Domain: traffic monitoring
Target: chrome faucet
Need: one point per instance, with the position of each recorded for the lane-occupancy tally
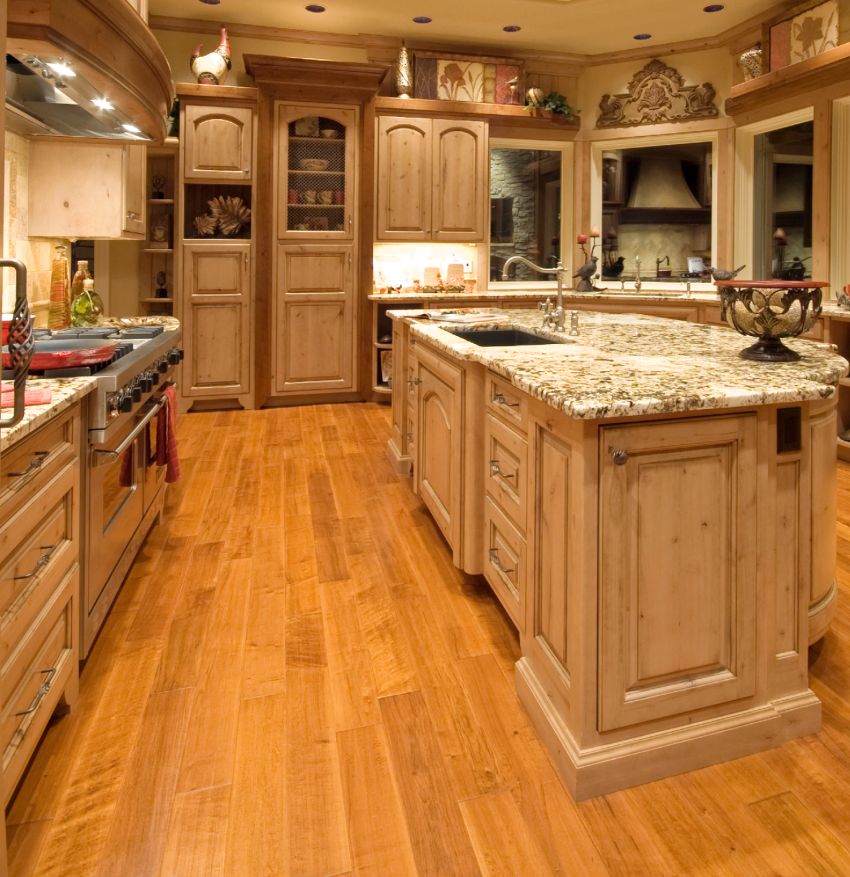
(552, 317)
(638, 281)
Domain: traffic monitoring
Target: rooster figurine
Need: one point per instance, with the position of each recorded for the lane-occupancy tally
(212, 68)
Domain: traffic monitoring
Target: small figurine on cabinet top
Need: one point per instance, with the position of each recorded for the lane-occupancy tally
(158, 183)
(161, 291)
(212, 68)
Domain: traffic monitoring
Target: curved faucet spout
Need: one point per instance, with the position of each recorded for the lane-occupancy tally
(557, 317)
(514, 259)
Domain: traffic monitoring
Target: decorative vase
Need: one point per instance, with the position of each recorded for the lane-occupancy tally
(403, 74)
(534, 97)
(752, 62)
(212, 68)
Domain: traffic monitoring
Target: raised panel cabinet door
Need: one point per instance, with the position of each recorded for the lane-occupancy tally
(459, 179)
(219, 143)
(316, 173)
(134, 173)
(217, 324)
(313, 337)
(403, 180)
(677, 613)
(438, 445)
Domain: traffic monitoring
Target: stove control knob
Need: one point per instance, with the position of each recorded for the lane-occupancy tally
(126, 403)
(137, 392)
(174, 356)
(147, 382)
(112, 404)
(162, 365)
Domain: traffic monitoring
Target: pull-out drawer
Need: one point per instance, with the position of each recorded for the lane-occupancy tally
(506, 461)
(505, 562)
(33, 678)
(37, 547)
(28, 465)
(504, 400)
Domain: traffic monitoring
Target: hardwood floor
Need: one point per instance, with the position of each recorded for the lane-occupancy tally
(296, 681)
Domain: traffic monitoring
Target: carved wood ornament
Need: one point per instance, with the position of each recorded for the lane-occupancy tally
(657, 93)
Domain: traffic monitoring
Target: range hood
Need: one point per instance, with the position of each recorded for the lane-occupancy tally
(86, 69)
(660, 194)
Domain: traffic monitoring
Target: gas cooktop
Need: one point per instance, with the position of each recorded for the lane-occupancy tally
(100, 332)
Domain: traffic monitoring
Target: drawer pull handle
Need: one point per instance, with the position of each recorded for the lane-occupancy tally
(409, 436)
(414, 382)
(495, 560)
(37, 462)
(39, 564)
(496, 469)
(619, 456)
(500, 399)
(41, 693)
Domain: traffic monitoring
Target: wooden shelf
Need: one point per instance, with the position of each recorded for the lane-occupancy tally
(165, 202)
(382, 389)
(317, 173)
(157, 301)
(318, 206)
(844, 382)
(380, 346)
(297, 139)
(159, 251)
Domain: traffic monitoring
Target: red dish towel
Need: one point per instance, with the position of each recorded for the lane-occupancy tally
(31, 397)
(166, 437)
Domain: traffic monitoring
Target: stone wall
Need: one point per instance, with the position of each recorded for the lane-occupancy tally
(512, 176)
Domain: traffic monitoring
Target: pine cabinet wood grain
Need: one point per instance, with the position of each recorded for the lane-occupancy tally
(219, 143)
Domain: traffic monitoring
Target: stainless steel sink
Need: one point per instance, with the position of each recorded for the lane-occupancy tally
(501, 337)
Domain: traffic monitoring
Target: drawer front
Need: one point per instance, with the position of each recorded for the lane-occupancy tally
(34, 677)
(506, 461)
(32, 462)
(37, 547)
(507, 402)
(505, 561)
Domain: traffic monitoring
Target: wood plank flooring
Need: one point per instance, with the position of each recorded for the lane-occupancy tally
(295, 682)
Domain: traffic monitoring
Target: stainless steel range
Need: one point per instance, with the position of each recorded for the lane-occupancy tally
(123, 487)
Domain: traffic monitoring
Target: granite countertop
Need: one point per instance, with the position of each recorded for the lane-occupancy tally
(624, 365)
(66, 391)
(702, 296)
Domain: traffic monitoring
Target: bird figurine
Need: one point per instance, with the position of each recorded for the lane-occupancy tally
(586, 273)
(720, 274)
(212, 68)
(615, 269)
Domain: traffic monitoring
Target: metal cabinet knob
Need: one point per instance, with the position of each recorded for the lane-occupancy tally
(619, 456)
(496, 469)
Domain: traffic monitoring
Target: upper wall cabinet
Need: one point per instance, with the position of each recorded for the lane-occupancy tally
(431, 180)
(219, 142)
(67, 180)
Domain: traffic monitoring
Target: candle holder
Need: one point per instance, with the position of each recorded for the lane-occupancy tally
(770, 310)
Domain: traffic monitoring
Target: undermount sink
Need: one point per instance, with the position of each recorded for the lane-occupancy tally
(502, 337)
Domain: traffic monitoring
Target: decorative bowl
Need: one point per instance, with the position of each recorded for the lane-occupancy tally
(313, 164)
(770, 310)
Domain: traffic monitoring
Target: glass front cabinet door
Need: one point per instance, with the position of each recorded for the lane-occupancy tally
(316, 172)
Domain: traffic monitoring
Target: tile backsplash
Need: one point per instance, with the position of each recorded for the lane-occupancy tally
(36, 253)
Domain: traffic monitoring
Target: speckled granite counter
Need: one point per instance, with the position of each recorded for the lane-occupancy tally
(539, 294)
(66, 391)
(627, 365)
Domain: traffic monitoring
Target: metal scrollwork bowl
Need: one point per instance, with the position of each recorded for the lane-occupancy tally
(770, 310)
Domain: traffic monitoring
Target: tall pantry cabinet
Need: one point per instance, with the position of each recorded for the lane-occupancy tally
(218, 160)
(313, 301)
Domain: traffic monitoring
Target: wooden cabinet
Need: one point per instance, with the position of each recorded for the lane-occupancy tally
(39, 586)
(87, 190)
(432, 180)
(677, 621)
(218, 143)
(141, 6)
(313, 349)
(316, 159)
(217, 292)
(439, 420)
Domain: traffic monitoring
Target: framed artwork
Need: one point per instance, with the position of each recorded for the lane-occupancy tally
(471, 78)
(803, 35)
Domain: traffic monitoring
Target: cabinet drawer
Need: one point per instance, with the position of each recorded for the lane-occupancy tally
(33, 461)
(506, 461)
(504, 561)
(34, 677)
(507, 402)
(37, 547)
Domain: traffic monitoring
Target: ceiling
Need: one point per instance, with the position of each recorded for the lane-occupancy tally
(562, 26)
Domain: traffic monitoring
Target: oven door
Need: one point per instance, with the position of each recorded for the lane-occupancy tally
(117, 471)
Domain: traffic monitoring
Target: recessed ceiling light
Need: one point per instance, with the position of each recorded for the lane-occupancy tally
(643, 36)
(102, 103)
(314, 7)
(511, 28)
(211, 2)
(61, 68)
(422, 19)
(131, 129)
(713, 7)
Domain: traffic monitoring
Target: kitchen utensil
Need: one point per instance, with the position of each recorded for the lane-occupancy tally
(770, 310)
(313, 164)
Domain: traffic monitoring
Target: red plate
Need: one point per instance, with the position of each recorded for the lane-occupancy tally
(44, 357)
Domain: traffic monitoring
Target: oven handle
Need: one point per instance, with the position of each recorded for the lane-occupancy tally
(108, 456)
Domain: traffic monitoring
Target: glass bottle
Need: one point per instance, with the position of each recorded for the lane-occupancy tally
(87, 307)
(81, 274)
(59, 308)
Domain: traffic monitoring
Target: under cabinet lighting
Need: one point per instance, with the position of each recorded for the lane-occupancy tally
(713, 7)
(61, 68)
(102, 103)
(422, 19)
(642, 36)
(131, 129)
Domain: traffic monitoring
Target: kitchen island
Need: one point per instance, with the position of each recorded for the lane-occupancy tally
(656, 515)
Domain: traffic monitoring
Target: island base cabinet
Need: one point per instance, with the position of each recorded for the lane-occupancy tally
(217, 321)
(668, 584)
